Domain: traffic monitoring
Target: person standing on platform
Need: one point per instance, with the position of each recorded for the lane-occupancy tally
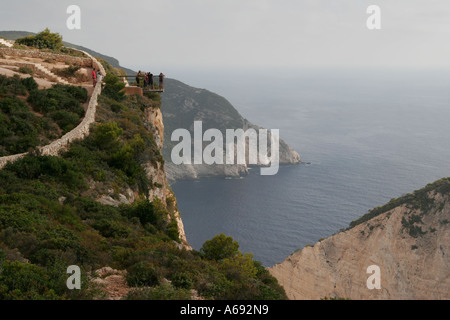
(150, 79)
(161, 81)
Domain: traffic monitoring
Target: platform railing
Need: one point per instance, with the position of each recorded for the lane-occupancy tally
(147, 84)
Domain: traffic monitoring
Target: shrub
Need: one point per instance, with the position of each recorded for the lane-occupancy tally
(66, 120)
(239, 267)
(143, 274)
(12, 86)
(76, 92)
(111, 229)
(44, 39)
(182, 280)
(58, 97)
(24, 281)
(51, 167)
(162, 292)
(116, 107)
(26, 70)
(29, 83)
(220, 247)
(113, 87)
(145, 211)
(106, 135)
(68, 72)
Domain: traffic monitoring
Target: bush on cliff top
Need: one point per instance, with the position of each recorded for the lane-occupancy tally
(43, 40)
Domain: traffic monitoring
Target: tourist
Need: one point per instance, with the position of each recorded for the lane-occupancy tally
(99, 77)
(138, 78)
(150, 79)
(145, 79)
(94, 77)
(161, 79)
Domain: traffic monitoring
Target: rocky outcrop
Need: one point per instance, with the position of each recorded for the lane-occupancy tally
(7, 43)
(161, 189)
(112, 282)
(155, 171)
(409, 243)
(182, 105)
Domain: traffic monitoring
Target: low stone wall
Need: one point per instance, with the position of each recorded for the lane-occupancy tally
(12, 158)
(81, 61)
(81, 131)
(133, 90)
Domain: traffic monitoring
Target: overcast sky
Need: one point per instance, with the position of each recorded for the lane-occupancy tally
(231, 34)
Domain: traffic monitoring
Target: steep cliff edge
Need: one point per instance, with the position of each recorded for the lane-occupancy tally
(102, 203)
(408, 239)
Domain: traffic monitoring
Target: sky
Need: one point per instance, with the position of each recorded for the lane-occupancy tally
(244, 34)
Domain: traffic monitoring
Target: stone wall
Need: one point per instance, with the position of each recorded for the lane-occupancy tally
(81, 131)
(133, 90)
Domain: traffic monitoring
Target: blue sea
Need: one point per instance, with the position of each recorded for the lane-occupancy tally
(368, 136)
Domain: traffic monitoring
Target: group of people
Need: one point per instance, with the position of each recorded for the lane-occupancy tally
(144, 79)
(96, 76)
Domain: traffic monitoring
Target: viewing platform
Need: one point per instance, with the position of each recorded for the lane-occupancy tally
(143, 82)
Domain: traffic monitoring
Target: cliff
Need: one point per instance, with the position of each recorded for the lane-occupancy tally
(183, 105)
(408, 239)
(99, 199)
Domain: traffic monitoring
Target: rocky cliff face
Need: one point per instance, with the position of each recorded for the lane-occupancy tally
(182, 105)
(154, 118)
(410, 243)
(155, 171)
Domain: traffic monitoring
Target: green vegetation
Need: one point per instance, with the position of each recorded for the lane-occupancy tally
(68, 72)
(50, 217)
(26, 70)
(113, 87)
(410, 224)
(220, 247)
(43, 40)
(418, 200)
(56, 111)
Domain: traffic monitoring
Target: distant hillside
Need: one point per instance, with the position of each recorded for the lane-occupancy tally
(182, 105)
(14, 35)
(408, 239)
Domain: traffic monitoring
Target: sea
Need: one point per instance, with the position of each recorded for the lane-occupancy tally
(365, 137)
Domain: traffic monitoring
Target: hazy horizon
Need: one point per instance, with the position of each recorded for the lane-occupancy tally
(253, 34)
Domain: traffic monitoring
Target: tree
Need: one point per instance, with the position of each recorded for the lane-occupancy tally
(44, 39)
(220, 247)
(106, 135)
(113, 87)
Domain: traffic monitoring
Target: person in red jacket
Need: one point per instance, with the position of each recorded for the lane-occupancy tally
(94, 77)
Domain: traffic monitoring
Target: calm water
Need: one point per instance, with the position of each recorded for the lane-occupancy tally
(369, 137)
